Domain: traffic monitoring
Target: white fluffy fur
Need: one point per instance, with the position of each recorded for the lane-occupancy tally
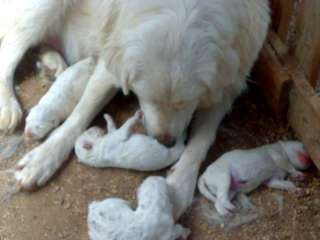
(64, 93)
(50, 64)
(114, 219)
(176, 56)
(121, 148)
(245, 170)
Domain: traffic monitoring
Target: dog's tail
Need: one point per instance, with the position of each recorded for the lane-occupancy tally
(205, 191)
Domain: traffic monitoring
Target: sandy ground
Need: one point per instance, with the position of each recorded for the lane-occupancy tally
(59, 210)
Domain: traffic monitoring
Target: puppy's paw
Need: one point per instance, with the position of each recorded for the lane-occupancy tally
(224, 208)
(10, 113)
(299, 192)
(299, 176)
(50, 65)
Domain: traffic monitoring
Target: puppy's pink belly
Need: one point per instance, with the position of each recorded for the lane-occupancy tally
(236, 182)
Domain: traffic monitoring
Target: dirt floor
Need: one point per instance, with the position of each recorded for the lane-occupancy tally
(59, 210)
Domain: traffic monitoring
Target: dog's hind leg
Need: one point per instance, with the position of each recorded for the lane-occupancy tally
(39, 165)
(28, 28)
(183, 178)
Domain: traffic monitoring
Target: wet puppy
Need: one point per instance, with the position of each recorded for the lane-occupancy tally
(114, 219)
(245, 170)
(123, 149)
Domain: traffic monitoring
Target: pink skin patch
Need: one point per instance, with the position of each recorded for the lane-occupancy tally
(87, 145)
(140, 114)
(304, 159)
(236, 182)
(28, 132)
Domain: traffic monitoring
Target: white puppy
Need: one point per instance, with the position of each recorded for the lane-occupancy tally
(121, 148)
(245, 170)
(48, 113)
(114, 219)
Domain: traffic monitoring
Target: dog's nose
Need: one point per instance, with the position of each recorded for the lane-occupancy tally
(166, 139)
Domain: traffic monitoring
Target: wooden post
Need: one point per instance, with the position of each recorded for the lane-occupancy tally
(277, 70)
(307, 42)
(274, 81)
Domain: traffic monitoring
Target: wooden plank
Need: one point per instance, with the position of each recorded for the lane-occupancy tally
(287, 17)
(276, 68)
(278, 46)
(276, 13)
(307, 42)
(304, 112)
(274, 81)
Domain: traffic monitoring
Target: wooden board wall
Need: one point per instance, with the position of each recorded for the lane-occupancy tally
(289, 68)
(296, 22)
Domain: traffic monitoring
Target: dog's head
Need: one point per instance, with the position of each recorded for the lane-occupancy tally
(171, 66)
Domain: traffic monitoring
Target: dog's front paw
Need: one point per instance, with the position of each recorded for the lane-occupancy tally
(39, 165)
(10, 113)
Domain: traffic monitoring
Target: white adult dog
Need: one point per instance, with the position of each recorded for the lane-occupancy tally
(178, 57)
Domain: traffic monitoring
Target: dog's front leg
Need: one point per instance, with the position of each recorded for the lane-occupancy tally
(38, 166)
(28, 28)
(183, 178)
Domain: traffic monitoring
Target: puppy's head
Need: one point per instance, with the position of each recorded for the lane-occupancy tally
(171, 67)
(297, 154)
(39, 123)
(86, 142)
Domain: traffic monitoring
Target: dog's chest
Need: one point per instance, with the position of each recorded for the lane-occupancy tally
(83, 31)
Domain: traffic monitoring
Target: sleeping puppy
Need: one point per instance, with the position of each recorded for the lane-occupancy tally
(180, 58)
(245, 170)
(121, 148)
(55, 105)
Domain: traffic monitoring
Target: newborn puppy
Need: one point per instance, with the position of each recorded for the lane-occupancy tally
(244, 170)
(50, 64)
(114, 219)
(45, 116)
(121, 148)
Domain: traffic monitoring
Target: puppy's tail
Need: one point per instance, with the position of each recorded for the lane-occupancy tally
(205, 191)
